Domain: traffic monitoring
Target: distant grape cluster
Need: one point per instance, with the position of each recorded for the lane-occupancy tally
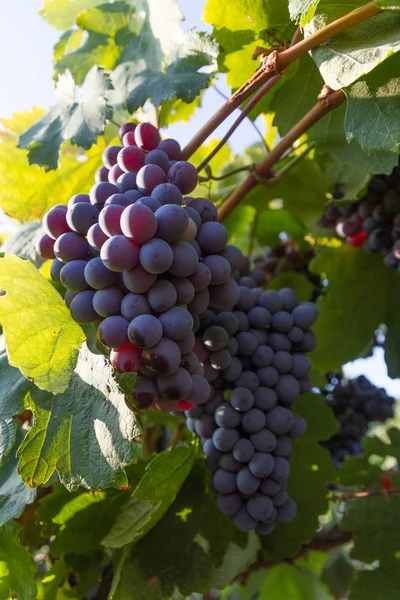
(355, 404)
(141, 262)
(374, 221)
(254, 360)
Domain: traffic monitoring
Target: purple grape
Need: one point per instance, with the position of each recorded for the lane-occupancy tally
(81, 307)
(70, 246)
(145, 331)
(163, 358)
(72, 276)
(107, 302)
(100, 192)
(149, 177)
(138, 280)
(113, 331)
(119, 253)
(156, 256)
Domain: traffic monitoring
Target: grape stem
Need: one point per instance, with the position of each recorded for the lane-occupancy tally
(276, 62)
(225, 175)
(327, 101)
(352, 495)
(277, 178)
(114, 123)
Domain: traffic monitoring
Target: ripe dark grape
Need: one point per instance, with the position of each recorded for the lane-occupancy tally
(139, 223)
(149, 177)
(219, 267)
(145, 392)
(145, 331)
(109, 219)
(150, 202)
(157, 157)
(101, 175)
(109, 156)
(156, 256)
(184, 290)
(98, 276)
(96, 236)
(107, 302)
(184, 259)
(70, 246)
(113, 331)
(163, 358)
(177, 323)
(125, 128)
(147, 136)
(72, 276)
(184, 176)
(55, 269)
(138, 280)
(176, 386)
(171, 148)
(241, 399)
(131, 159)
(172, 222)
(133, 305)
(127, 183)
(45, 247)
(167, 193)
(162, 296)
(212, 237)
(119, 253)
(100, 192)
(81, 307)
(114, 174)
(55, 222)
(121, 199)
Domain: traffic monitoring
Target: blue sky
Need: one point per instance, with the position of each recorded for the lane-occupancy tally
(26, 43)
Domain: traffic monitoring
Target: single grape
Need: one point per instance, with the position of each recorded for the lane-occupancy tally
(184, 290)
(225, 296)
(55, 269)
(243, 521)
(70, 246)
(201, 278)
(298, 428)
(305, 315)
(163, 358)
(184, 176)
(212, 237)
(113, 331)
(248, 379)
(114, 174)
(167, 193)
(101, 175)
(247, 483)
(227, 417)
(241, 399)
(145, 331)
(229, 504)
(283, 447)
(228, 463)
(200, 390)
(45, 247)
(262, 356)
(127, 359)
(119, 253)
(69, 296)
(172, 222)
(120, 200)
(177, 323)
(290, 299)
(272, 301)
(184, 259)
(282, 321)
(282, 361)
(149, 177)
(186, 344)
(98, 276)
(125, 128)
(192, 214)
(225, 439)
(162, 296)
(265, 399)
(220, 359)
(205, 426)
(100, 192)
(279, 420)
(253, 420)
(281, 469)
(264, 440)
(81, 307)
(96, 237)
(156, 256)
(205, 208)
(243, 450)
(279, 341)
(127, 183)
(199, 303)
(247, 343)
(109, 219)
(133, 305)
(176, 386)
(268, 376)
(109, 156)
(138, 223)
(171, 148)
(157, 157)
(224, 482)
(260, 507)
(138, 280)
(234, 370)
(147, 136)
(150, 202)
(261, 464)
(269, 487)
(301, 366)
(107, 302)
(72, 276)
(55, 221)
(308, 343)
(131, 159)
(145, 392)
(265, 528)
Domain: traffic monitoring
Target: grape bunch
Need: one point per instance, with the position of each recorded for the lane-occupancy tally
(254, 360)
(374, 221)
(141, 262)
(355, 404)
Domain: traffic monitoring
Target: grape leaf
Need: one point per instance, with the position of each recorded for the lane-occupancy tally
(17, 568)
(42, 338)
(80, 122)
(338, 572)
(79, 521)
(296, 96)
(14, 494)
(357, 470)
(351, 180)
(240, 25)
(291, 583)
(373, 518)
(366, 283)
(330, 136)
(86, 433)
(302, 10)
(311, 468)
(273, 222)
(356, 51)
(154, 494)
(29, 191)
(61, 14)
(175, 110)
(373, 107)
(8, 430)
(128, 579)
(383, 580)
(22, 242)
(388, 4)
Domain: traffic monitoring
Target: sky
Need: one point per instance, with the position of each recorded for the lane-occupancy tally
(26, 46)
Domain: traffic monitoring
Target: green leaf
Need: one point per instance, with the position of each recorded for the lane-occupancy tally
(356, 51)
(338, 572)
(22, 242)
(154, 494)
(80, 122)
(175, 110)
(29, 191)
(388, 4)
(357, 470)
(373, 107)
(8, 431)
(351, 180)
(41, 337)
(291, 583)
(79, 521)
(373, 518)
(54, 585)
(14, 389)
(17, 568)
(363, 281)
(14, 494)
(297, 95)
(271, 223)
(128, 579)
(302, 10)
(311, 467)
(384, 580)
(61, 14)
(86, 433)
(329, 134)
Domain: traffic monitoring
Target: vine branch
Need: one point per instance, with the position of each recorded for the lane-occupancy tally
(327, 101)
(274, 65)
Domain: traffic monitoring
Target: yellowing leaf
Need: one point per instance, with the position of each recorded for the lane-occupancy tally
(41, 337)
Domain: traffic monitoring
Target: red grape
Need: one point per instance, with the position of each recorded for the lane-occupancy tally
(109, 156)
(125, 128)
(109, 219)
(96, 236)
(131, 159)
(149, 177)
(119, 254)
(79, 198)
(147, 136)
(129, 139)
(45, 246)
(55, 222)
(171, 148)
(114, 173)
(127, 358)
(184, 176)
(139, 223)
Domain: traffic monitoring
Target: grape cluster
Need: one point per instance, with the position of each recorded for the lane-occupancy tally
(254, 360)
(141, 262)
(355, 404)
(374, 221)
